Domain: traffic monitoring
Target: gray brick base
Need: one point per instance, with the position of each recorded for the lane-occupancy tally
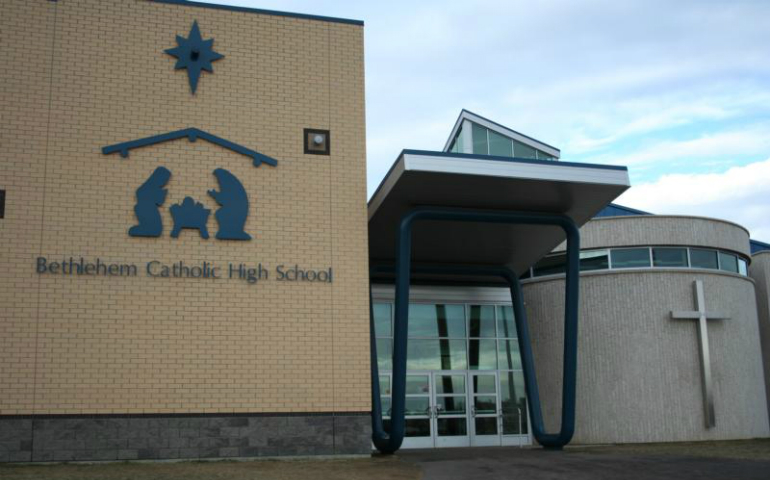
(138, 437)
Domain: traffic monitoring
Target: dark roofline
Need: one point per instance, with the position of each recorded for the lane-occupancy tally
(489, 157)
(629, 209)
(507, 128)
(760, 246)
(233, 8)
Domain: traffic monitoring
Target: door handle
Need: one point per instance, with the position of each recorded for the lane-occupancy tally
(473, 411)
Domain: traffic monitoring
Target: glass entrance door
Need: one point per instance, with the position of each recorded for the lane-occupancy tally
(485, 409)
(450, 409)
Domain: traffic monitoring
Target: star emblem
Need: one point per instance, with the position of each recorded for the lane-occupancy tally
(194, 54)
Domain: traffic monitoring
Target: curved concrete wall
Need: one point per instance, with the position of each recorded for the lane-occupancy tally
(639, 370)
(663, 230)
(760, 272)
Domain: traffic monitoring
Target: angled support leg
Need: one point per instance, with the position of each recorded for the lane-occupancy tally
(391, 443)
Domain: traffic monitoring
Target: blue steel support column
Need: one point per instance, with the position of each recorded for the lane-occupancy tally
(379, 437)
(390, 443)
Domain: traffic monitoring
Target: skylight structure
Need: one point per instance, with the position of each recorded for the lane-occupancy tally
(477, 135)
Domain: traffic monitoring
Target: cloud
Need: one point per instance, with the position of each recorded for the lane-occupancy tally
(739, 194)
(751, 141)
(650, 83)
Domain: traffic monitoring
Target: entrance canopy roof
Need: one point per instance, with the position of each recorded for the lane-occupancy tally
(452, 180)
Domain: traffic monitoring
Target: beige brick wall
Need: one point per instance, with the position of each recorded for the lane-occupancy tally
(82, 74)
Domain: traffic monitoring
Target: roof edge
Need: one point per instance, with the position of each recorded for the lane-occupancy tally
(512, 159)
(234, 8)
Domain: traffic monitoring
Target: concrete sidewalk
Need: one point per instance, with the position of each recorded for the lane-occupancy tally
(637, 463)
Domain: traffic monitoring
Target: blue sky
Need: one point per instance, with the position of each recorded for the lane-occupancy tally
(678, 91)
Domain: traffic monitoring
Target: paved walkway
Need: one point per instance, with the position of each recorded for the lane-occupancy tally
(536, 464)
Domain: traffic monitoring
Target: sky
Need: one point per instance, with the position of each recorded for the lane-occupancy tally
(677, 91)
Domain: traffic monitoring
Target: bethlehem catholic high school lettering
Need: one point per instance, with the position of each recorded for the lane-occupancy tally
(179, 269)
(160, 157)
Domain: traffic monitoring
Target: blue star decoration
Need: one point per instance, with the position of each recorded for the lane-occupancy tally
(194, 54)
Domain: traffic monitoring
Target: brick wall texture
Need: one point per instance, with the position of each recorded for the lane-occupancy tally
(83, 74)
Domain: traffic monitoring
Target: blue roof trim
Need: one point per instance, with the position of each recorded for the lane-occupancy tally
(615, 210)
(234, 8)
(757, 246)
(513, 159)
(507, 128)
(191, 134)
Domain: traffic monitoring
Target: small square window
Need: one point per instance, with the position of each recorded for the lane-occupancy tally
(317, 142)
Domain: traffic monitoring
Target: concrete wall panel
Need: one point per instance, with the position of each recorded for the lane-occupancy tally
(639, 370)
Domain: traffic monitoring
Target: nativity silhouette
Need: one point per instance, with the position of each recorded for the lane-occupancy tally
(190, 214)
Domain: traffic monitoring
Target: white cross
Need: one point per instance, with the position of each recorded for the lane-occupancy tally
(703, 342)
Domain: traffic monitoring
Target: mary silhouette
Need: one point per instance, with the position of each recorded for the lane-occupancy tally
(149, 196)
(234, 209)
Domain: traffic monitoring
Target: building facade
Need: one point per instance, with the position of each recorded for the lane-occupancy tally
(120, 341)
(190, 263)
(641, 369)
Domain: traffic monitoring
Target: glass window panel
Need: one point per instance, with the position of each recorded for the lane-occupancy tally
(513, 402)
(450, 384)
(728, 262)
(436, 355)
(384, 354)
(702, 258)
(454, 405)
(500, 145)
(486, 425)
(669, 257)
(630, 258)
(481, 355)
(550, 265)
(506, 328)
(452, 427)
(417, 385)
(384, 385)
(382, 319)
(523, 151)
(599, 260)
(385, 402)
(743, 267)
(431, 320)
(417, 427)
(482, 321)
(485, 404)
(544, 156)
(484, 384)
(417, 406)
(508, 355)
(479, 139)
(457, 145)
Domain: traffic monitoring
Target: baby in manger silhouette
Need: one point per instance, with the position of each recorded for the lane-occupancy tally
(231, 216)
